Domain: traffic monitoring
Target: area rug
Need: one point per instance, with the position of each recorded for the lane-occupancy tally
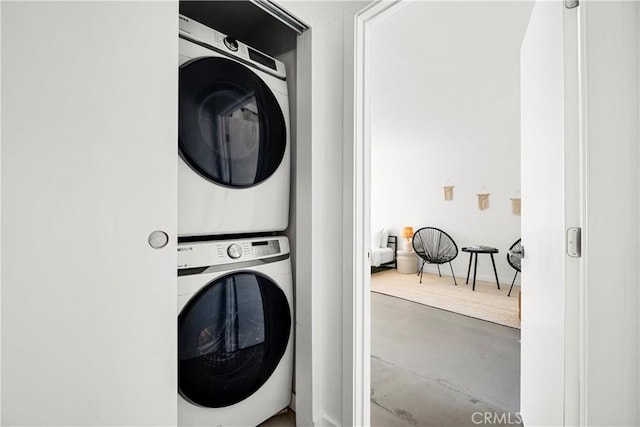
(485, 303)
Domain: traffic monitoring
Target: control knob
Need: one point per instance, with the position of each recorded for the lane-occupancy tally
(231, 44)
(234, 251)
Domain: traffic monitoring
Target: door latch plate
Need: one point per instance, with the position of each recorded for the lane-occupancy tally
(574, 242)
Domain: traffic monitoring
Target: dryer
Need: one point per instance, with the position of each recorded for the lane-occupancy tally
(234, 151)
(235, 345)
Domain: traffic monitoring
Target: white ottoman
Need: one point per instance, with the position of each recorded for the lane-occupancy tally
(407, 262)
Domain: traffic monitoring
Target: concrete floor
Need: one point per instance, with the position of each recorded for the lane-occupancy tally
(431, 367)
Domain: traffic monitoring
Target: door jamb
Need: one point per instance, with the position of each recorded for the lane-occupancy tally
(356, 270)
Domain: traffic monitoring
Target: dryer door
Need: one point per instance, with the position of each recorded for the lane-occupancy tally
(232, 131)
(231, 337)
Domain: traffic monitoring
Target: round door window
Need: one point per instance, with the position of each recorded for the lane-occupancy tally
(231, 337)
(231, 127)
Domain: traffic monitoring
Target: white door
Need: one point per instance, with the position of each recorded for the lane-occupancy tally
(551, 204)
(89, 125)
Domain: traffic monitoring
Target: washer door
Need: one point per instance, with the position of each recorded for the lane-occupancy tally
(231, 128)
(231, 337)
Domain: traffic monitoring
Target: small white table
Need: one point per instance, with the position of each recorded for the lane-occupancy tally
(407, 262)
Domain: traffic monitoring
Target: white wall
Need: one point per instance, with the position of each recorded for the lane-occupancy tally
(446, 108)
(611, 293)
(0, 226)
(319, 211)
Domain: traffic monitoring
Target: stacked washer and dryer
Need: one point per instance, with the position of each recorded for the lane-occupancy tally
(235, 290)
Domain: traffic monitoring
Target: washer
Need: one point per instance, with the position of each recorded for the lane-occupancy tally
(235, 345)
(234, 154)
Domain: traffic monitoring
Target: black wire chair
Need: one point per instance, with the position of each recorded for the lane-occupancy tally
(514, 257)
(435, 246)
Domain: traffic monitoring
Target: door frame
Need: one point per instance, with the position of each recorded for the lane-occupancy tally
(562, 357)
(356, 271)
(356, 199)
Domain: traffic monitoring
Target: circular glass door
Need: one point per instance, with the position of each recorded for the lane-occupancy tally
(231, 127)
(231, 337)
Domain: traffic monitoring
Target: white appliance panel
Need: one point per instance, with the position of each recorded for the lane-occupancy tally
(275, 394)
(208, 208)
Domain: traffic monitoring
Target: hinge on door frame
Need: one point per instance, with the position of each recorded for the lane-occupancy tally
(571, 4)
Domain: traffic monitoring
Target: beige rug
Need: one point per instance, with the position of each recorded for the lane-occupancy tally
(486, 303)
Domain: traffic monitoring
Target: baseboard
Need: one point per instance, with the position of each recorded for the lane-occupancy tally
(325, 421)
(322, 421)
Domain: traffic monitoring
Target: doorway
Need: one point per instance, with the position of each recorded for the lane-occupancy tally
(564, 32)
(455, 124)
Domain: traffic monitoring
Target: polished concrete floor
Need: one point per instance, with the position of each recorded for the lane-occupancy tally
(431, 367)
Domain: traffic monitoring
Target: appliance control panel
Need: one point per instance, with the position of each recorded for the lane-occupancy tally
(205, 254)
(222, 43)
(265, 248)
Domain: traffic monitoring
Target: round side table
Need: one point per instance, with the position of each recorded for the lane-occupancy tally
(407, 262)
(475, 250)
